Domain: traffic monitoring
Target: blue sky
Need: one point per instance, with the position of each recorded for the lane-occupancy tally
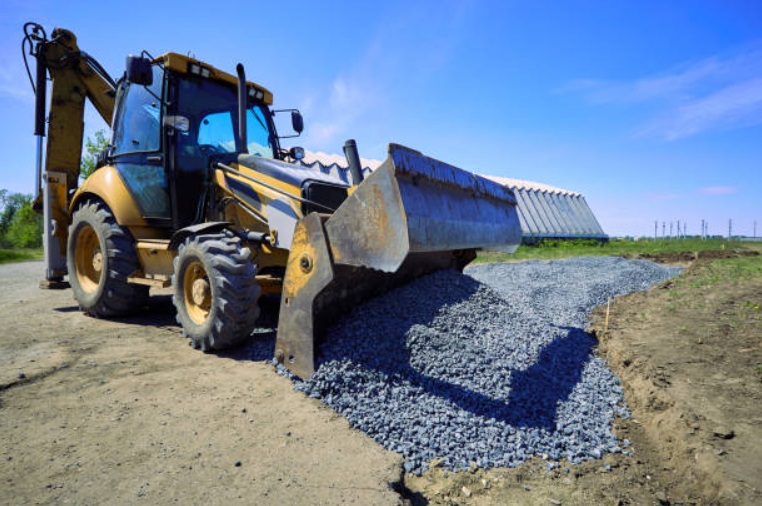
(652, 110)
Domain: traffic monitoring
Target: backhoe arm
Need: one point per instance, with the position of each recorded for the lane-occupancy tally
(75, 77)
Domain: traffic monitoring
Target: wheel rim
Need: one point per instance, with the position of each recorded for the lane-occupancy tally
(197, 293)
(89, 259)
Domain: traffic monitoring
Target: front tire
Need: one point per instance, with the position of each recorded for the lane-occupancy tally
(100, 257)
(215, 291)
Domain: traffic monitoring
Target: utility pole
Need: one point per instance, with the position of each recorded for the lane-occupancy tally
(730, 228)
(663, 228)
(656, 228)
(670, 229)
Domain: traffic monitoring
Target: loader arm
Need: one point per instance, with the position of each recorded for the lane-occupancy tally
(75, 78)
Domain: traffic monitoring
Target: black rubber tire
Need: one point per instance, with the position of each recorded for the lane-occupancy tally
(100, 256)
(224, 312)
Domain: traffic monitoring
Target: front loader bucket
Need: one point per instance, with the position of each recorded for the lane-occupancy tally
(411, 216)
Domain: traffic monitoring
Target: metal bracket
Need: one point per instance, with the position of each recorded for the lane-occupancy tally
(309, 271)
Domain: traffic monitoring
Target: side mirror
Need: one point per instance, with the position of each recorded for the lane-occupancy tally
(139, 70)
(297, 122)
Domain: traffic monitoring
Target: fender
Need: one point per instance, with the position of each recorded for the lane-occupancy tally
(107, 185)
(182, 234)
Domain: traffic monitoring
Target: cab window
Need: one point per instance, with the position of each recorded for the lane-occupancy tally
(138, 119)
(216, 133)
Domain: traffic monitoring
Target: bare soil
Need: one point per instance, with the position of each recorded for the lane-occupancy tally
(123, 412)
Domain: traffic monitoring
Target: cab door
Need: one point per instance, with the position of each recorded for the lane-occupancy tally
(188, 160)
(137, 147)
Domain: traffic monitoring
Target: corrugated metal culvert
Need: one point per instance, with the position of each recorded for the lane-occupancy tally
(545, 212)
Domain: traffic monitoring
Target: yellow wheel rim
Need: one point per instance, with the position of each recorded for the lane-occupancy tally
(88, 259)
(197, 293)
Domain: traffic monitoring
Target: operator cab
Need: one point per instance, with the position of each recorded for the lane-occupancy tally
(170, 126)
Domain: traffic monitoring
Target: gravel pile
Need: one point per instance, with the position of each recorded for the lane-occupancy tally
(490, 367)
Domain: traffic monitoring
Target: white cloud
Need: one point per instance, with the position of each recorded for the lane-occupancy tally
(16, 93)
(718, 190)
(14, 83)
(401, 51)
(338, 109)
(663, 196)
(734, 106)
(717, 93)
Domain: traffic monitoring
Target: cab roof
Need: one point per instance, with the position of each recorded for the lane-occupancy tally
(187, 65)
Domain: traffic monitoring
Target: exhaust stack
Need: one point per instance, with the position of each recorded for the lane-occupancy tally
(243, 144)
(353, 160)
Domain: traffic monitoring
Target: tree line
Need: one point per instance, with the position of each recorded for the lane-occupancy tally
(20, 224)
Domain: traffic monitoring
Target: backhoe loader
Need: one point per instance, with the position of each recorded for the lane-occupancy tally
(196, 193)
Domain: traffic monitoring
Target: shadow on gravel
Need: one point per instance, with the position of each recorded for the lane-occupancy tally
(535, 393)
(403, 329)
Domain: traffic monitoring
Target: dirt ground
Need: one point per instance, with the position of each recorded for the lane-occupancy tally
(123, 412)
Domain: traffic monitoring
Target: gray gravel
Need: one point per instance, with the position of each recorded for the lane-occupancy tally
(490, 367)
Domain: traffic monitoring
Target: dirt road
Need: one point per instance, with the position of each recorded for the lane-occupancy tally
(124, 412)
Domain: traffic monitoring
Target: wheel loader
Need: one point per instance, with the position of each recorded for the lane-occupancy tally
(196, 192)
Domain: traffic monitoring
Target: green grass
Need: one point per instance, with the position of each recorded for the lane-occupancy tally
(551, 250)
(19, 255)
(729, 270)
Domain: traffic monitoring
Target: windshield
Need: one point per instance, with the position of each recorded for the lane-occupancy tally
(212, 111)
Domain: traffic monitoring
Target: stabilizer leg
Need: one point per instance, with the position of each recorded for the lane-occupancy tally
(54, 230)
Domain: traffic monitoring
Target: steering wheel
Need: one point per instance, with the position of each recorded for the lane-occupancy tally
(209, 149)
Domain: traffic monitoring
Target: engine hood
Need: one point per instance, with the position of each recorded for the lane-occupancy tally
(289, 173)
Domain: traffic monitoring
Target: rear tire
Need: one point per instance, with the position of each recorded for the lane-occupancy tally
(215, 291)
(100, 257)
